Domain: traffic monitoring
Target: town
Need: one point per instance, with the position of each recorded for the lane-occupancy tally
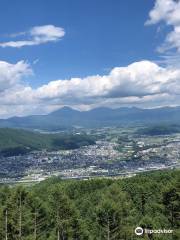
(117, 152)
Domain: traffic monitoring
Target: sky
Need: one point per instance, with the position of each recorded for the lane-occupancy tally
(88, 54)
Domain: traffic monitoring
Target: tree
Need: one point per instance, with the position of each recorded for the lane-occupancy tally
(171, 200)
(64, 215)
(113, 214)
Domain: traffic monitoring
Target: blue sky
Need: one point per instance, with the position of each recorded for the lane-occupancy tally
(86, 43)
(99, 35)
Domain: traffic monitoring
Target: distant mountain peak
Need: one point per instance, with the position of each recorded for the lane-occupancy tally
(100, 109)
(64, 110)
(97, 117)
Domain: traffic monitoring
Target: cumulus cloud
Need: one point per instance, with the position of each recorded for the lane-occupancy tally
(11, 74)
(136, 80)
(36, 36)
(167, 11)
(141, 84)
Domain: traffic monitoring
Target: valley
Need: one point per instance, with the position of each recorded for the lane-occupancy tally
(115, 152)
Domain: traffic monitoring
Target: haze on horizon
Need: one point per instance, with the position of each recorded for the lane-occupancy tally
(98, 54)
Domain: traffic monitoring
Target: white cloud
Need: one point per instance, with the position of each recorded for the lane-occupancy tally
(143, 84)
(136, 80)
(167, 11)
(36, 36)
(11, 74)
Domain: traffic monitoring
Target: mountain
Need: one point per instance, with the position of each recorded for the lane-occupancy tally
(67, 117)
(159, 130)
(19, 141)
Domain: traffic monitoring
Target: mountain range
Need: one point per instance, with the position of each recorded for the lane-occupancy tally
(67, 117)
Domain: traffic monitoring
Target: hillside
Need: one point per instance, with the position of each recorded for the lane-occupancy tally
(94, 209)
(159, 130)
(67, 118)
(18, 141)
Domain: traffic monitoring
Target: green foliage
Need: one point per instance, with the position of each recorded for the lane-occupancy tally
(159, 130)
(92, 210)
(20, 141)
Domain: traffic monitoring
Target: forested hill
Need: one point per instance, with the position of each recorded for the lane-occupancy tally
(159, 130)
(94, 209)
(18, 141)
